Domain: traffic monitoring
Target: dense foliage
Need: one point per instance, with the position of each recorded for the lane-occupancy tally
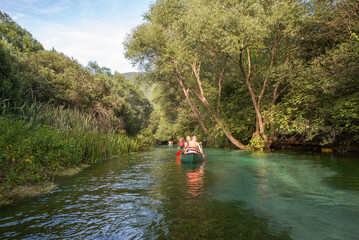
(253, 73)
(33, 153)
(250, 74)
(28, 72)
(56, 113)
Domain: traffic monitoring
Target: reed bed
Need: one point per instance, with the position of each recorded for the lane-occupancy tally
(38, 140)
(59, 117)
(97, 141)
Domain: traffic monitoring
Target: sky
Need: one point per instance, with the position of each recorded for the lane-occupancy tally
(87, 30)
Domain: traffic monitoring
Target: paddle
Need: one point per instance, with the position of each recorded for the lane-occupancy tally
(179, 152)
(200, 149)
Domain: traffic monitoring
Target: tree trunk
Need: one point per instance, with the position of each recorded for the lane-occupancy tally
(231, 138)
(269, 143)
(213, 113)
(256, 133)
(193, 107)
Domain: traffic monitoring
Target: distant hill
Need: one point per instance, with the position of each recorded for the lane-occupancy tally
(147, 90)
(130, 75)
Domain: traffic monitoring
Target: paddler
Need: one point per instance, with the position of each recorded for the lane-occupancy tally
(188, 139)
(194, 146)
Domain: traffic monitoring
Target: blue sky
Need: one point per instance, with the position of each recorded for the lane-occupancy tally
(83, 29)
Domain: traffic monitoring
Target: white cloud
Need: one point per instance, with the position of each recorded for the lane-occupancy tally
(88, 41)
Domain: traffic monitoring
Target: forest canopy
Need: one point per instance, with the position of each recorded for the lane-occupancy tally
(253, 74)
(246, 74)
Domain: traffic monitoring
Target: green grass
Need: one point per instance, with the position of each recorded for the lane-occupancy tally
(38, 141)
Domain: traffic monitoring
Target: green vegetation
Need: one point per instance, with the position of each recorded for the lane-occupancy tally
(56, 114)
(247, 74)
(253, 74)
(32, 153)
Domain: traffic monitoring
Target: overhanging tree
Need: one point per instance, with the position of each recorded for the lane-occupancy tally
(203, 42)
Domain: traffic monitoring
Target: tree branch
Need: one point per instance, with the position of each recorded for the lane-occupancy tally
(273, 58)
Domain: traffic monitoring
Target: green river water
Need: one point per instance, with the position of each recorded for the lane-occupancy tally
(232, 195)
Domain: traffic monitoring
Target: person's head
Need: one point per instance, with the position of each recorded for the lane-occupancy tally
(188, 138)
(194, 138)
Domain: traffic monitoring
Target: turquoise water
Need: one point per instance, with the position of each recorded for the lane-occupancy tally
(232, 195)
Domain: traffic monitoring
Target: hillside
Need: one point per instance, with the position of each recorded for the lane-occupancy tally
(132, 77)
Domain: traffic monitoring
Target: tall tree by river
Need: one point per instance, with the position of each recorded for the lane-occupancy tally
(243, 67)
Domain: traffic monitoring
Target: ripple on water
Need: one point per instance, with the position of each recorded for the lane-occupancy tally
(150, 195)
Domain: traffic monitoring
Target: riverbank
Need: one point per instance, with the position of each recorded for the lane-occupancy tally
(32, 155)
(283, 143)
(32, 190)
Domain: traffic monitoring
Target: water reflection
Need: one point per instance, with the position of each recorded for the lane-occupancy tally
(195, 181)
(190, 213)
(262, 178)
(194, 177)
(236, 195)
(291, 190)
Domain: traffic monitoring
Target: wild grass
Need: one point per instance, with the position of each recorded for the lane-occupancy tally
(38, 141)
(100, 141)
(59, 117)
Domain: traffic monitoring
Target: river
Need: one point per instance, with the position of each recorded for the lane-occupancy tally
(232, 195)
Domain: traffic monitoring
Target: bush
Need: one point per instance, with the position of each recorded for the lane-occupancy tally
(257, 143)
(33, 154)
(145, 137)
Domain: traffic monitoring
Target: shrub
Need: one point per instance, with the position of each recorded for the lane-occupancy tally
(33, 154)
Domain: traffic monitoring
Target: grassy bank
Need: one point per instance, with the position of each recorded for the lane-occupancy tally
(39, 142)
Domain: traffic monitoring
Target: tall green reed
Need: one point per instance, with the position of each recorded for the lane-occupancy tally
(97, 143)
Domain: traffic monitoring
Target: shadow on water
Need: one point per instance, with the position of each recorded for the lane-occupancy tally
(301, 192)
(190, 213)
(232, 195)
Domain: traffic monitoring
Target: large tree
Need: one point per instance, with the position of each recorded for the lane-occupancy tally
(204, 43)
(17, 36)
(322, 104)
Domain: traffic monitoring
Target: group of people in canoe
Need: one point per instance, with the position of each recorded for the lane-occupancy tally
(190, 145)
